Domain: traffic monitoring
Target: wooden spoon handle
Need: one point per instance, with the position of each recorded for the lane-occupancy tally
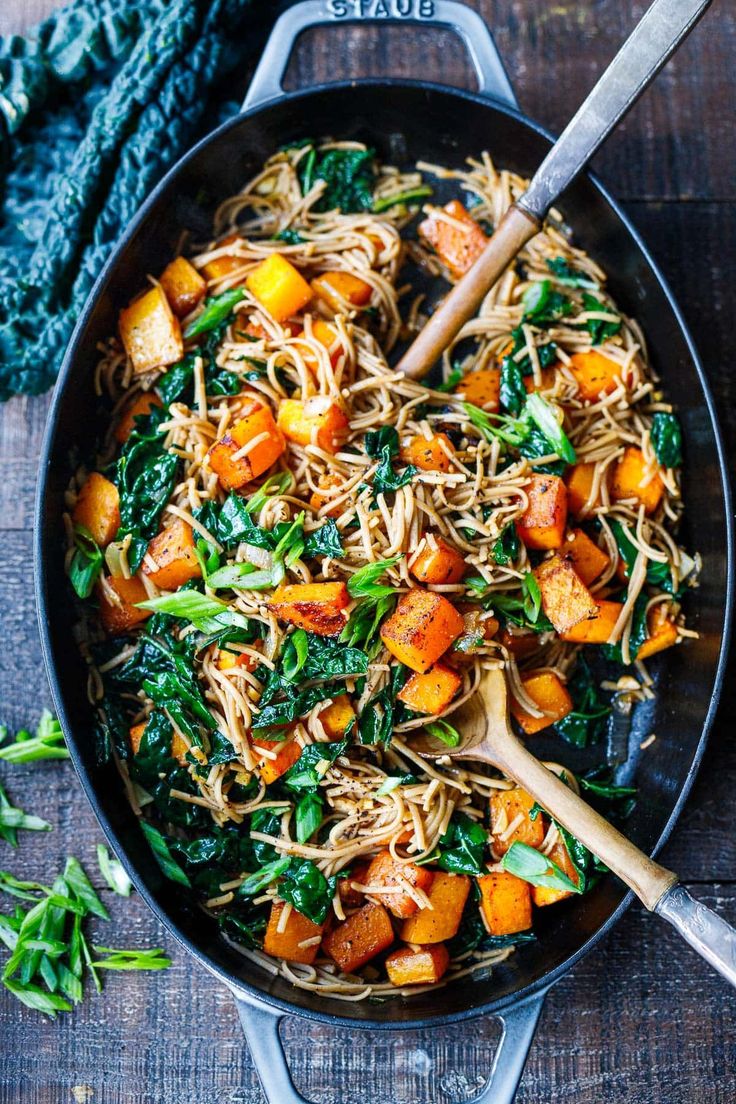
(648, 879)
(514, 230)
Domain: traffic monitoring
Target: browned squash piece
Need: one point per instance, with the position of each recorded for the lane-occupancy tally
(438, 563)
(183, 286)
(337, 288)
(432, 691)
(542, 525)
(447, 894)
(279, 287)
(481, 388)
(98, 508)
(662, 633)
(317, 607)
(520, 644)
(359, 938)
(506, 903)
(174, 552)
(287, 753)
(256, 428)
(429, 455)
(595, 374)
(315, 421)
(597, 630)
(633, 480)
(328, 481)
(542, 895)
(386, 872)
(336, 717)
(298, 942)
(143, 403)
(586, 557)
(350, 897)
(579, 483)
(421, 629)
(150, 332)
(565, 599)
(549, 694)
(121, 614)
(417, 965)
(225, 265)
(457, 246)
(511, 822)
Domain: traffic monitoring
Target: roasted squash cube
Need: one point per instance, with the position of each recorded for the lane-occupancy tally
(327, 336)
(386, 872)
(579, 482)
(520, 644)
(287, 753)
(316, 421)
(542, 525)
(542, 895)
(597, 630)
(457, 243)
(98, 508)
(506, 903)
(174, 552)
(587, 558)
(447, 895)
(279, 287)
(220, 267)
(595, 374)
(298, 941)
(248, 449)
(662, 632)
(326, 482)
(511, 822)
(565, 599)
(438, 563)
(633, 479)
(119, 612)
(150, 332)
(547, 693)
(338, 288)
(429, 455)
(143, 403)
(317, 607)
(351, 897)
(359, 938)
(417, 965)
(482, 388)
(183, 286)
(336, 717)
(432, 691)
(421, 629)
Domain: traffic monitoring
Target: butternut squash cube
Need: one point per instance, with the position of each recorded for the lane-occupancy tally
(421, 629)
(662, 633)
(317, 607)
(385, 872)
(548, 380)
(359, 938)
(175, 556)
(279, 287)
(457, 246)
(327, 336)
(432, 691)
(482, 388)
(565, 599)
(336, 717)
(595, 374)
(417, 965)
(337, 288)
(225, 265)
(520, 644)
(289, 943)
(350, 897)
(542, 895)
(447, 895)
(316, 421)
(287, 754)
(579, 483)
(429, 455)
(586, 557)
(150, 332)
(183, 286)
(438, 563)
(542, 525)
(123, 614)
(506, 903)
(510, 820)
(98, 508)
(632, 479)
(597, 630)
(549, 694)
(143, 403)
(326, 482)
(228, 661)
(256, 428)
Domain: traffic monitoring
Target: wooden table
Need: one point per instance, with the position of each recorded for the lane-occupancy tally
(640, 1020)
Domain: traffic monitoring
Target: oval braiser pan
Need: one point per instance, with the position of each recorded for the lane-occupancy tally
(405, 121)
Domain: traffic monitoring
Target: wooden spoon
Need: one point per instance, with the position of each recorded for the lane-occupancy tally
(487, 737)
(655, 38)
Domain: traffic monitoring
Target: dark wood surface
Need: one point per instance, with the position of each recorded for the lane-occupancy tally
(640, 1020)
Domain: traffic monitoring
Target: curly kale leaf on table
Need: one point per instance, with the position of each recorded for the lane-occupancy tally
(95, 106)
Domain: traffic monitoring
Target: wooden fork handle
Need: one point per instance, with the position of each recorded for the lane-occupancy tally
(648, 879)
(514, 230)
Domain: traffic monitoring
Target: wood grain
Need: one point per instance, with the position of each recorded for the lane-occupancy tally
(640, 1020)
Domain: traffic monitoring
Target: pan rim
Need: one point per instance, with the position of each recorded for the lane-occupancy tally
(243, 989)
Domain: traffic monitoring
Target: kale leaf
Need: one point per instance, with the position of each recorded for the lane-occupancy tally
(666, 436)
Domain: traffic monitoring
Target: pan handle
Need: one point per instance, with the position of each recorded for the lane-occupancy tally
(261, 1026)
(467, 23)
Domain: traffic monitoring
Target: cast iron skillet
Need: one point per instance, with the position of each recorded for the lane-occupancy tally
(405, 121)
